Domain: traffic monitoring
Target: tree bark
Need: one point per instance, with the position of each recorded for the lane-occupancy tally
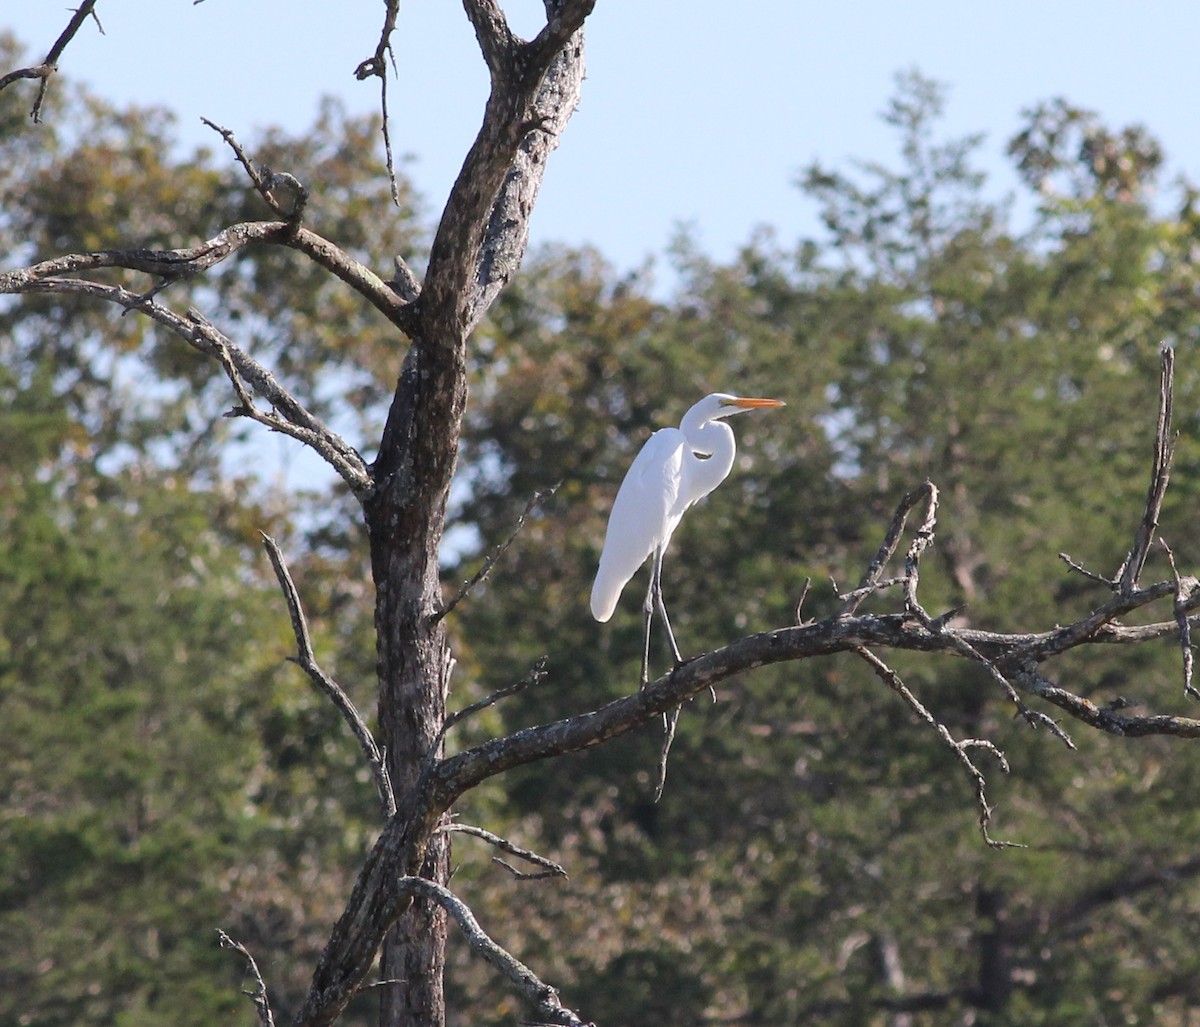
(480, 241)
(405, 520)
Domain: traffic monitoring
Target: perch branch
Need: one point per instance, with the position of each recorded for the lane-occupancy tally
(306, 660)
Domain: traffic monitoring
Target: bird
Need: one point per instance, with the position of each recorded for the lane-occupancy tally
(676, 468)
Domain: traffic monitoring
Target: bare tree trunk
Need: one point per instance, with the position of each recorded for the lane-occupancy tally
(479, 245)
(413, 471)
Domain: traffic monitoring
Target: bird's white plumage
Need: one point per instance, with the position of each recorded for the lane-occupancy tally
(643, 516)
(675, 468)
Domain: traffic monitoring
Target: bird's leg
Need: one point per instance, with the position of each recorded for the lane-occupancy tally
(656, 589)
(669, 722)
(670, 718)
(647, 616)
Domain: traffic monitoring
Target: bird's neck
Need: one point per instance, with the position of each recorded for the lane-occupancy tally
(712, 443)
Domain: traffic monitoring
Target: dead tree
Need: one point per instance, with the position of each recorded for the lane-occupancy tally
(400, 902)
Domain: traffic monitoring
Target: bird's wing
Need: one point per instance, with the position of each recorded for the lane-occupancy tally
(641, 517)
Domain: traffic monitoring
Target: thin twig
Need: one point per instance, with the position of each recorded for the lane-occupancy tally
(307, 662)
(959, 748)
(1184, 588)
(542, 996)
(670, 721)
(375, 66)
(536, 673)
(552, 869)
(875, 586)
(272, 187)
(1160, 474)
(259, 995)
(486, 569)
(800, 601)
(1080, 569)
(922, 540)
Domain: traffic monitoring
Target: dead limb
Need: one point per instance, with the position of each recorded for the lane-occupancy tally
(306, 661)
(959, 748)
(541, 996)
(552, 869)
(481, 575)
(259, 995)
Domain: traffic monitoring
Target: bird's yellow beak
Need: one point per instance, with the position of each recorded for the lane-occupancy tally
(752, 404)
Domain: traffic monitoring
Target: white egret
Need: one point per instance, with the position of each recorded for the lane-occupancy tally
(675, 468)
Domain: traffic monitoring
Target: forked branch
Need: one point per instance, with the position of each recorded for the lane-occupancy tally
(1160, 475)
(259, 995)
(540, 995)
(42, 72)
(961, 749)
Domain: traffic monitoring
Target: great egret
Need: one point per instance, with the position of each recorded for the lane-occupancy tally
(676, 467)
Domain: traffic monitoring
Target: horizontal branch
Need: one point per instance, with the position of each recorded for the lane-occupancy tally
(287, 415)
(463, 771)
(173, 265)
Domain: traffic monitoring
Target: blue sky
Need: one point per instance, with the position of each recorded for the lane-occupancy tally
(697, 113)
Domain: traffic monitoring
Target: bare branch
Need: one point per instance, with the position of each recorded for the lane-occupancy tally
(273, 188)
(375, 66)
(536, 673)
(287, 416)
(670, 720)
(960, 749)
(552, 869)
(870, 580)
(481, 575)
(1080, 569)
(566, 17)
(173, 265)
(49, 66)
(259, 994)
(1160, 474)
(1184, 589)
(287, 197)
(541, 996)
(800, 619)
(306, 660)
(922, 540)
(1109, 720)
